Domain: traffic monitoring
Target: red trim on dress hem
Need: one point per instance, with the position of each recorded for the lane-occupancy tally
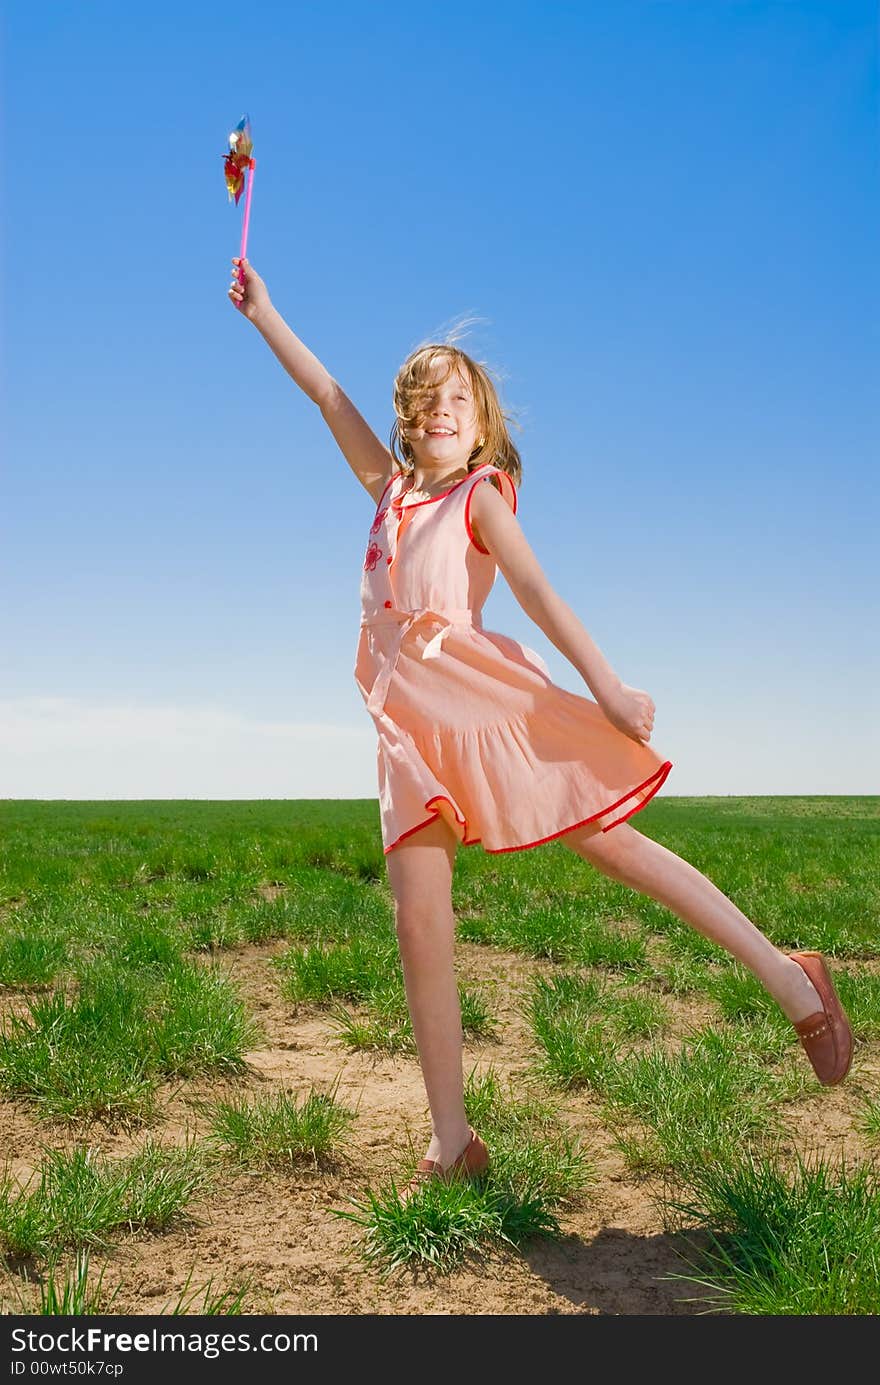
(660, 775)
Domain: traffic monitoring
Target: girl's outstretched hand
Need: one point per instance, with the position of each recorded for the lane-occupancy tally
(630, 710)
(251, 297)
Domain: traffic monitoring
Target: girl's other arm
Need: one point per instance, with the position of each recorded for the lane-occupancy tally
(630, 709)
(369, 459)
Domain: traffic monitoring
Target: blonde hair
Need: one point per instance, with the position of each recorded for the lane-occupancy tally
(413, 385)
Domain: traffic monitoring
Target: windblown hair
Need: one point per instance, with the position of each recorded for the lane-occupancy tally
(412, 390)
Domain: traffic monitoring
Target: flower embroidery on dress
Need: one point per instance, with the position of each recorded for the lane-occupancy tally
(374, 553)
(377, 522)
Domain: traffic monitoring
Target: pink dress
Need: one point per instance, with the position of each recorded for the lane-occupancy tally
(470, 724)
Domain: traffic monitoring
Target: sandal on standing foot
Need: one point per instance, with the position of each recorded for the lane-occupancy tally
(826, 1035)
(473, 1160)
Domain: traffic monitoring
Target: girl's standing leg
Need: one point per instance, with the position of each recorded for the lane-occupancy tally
(420, 875)
(627, 855)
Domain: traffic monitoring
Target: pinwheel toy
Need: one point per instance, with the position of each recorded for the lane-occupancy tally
(236, 162)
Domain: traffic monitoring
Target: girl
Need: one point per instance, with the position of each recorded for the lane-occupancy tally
(476, 743)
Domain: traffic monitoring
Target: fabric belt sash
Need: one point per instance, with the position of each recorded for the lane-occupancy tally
(406, 620)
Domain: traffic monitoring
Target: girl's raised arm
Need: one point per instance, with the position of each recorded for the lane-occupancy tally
(370, 460)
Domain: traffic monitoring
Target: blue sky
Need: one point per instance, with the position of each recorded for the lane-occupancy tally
(665, 216)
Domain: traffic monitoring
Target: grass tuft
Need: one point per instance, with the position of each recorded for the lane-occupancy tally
(535, 1165)
(81, 1197)
(275, 1131)
(101, 1050)
(31, 958)
(676, 1110)
(785, 1244)
(69, 1295)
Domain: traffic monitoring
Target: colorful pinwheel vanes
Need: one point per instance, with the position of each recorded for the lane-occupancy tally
(239, 158)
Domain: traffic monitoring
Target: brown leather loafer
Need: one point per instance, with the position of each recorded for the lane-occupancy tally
(826, 1035)
(473, 1160)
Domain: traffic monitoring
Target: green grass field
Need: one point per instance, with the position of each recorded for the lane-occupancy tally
(206, 1061)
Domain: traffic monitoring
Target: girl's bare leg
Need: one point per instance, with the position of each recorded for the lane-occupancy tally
(420, 875)
(627, 855)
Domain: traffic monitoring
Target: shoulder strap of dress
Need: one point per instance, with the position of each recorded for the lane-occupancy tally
(390, 482)
(506, 482)
(485, 473)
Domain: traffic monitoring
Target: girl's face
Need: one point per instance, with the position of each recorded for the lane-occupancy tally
(448, 428)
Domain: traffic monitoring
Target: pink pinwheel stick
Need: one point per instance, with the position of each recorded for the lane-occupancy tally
(247, 217)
